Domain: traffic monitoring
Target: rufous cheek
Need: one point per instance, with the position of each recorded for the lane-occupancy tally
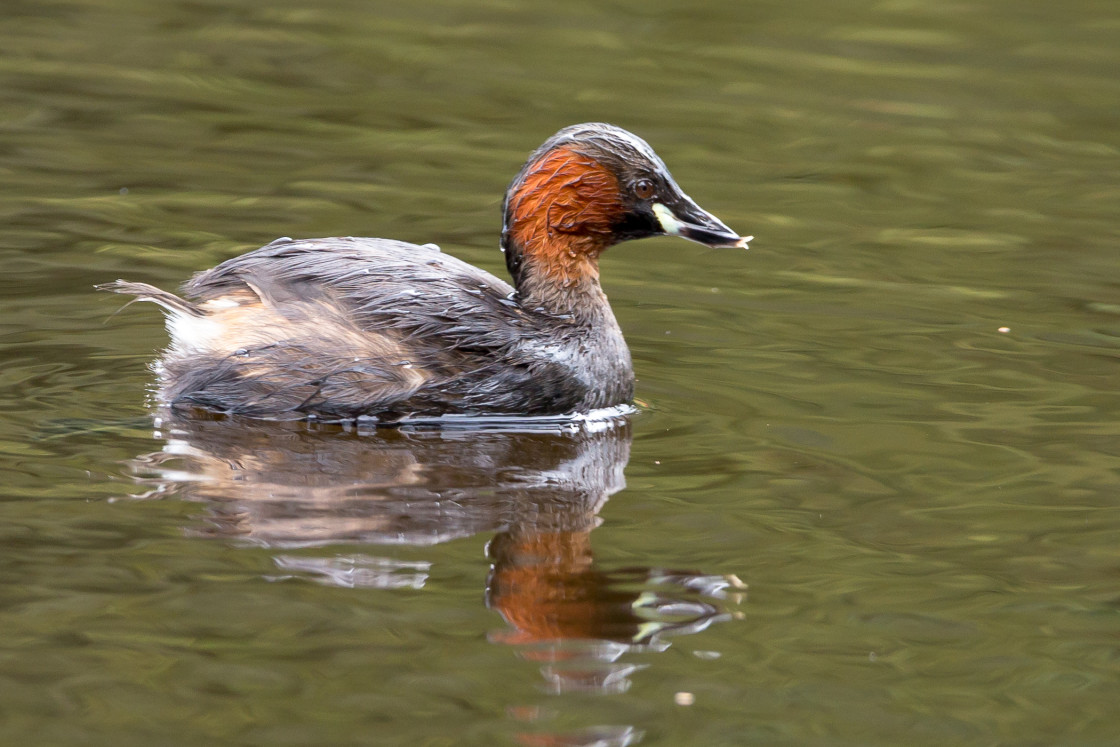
(565, 192)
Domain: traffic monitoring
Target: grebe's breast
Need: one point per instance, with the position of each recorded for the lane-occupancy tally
(350, 327)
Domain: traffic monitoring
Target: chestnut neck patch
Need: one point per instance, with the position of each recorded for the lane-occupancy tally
(560, 217)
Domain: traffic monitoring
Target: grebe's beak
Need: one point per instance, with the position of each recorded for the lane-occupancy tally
(689, 221)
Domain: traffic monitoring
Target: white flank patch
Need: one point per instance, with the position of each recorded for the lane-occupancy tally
(198, 334)
(219, 304)
(191, 333)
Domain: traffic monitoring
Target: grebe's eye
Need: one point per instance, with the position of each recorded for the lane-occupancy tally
(644, 189)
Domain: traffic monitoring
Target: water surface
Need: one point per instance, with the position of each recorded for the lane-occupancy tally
(894, 420)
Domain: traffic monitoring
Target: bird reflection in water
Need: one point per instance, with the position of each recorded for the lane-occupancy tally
(537, 491)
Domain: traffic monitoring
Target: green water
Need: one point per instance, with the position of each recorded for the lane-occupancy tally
(923, 507)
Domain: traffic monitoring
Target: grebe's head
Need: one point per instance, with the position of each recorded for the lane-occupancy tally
(588, 187)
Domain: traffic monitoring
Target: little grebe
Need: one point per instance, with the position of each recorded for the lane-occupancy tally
(346, 328)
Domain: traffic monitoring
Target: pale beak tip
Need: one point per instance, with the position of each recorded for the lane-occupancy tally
(743, 242)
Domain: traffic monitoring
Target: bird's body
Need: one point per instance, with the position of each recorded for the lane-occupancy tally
(343, 328)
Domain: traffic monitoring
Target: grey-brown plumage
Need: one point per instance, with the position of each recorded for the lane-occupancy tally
(343, 328)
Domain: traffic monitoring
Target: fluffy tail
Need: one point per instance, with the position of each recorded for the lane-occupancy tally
(145, 292)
